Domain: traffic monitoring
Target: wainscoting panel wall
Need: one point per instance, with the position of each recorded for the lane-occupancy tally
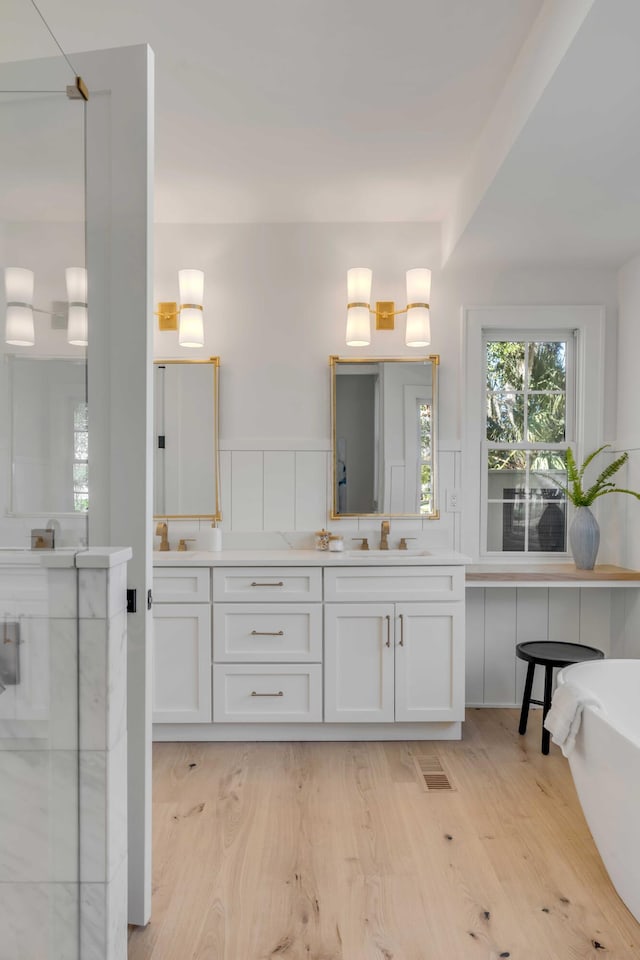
(289, 491)
(500, 617)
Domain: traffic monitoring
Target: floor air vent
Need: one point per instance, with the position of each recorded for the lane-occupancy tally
(431, 774)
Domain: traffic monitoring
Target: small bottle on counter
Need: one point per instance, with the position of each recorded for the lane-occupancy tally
(322, 539)
(336, 543)
(214, 537)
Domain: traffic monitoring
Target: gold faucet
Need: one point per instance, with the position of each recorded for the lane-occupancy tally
(162, 530)
(385, 530)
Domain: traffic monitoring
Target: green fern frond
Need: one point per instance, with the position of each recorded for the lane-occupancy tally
(591, 456)
(612, 468)
(573, 475)
(631, 493)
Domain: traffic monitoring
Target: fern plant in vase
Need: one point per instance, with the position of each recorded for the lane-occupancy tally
(584, 532)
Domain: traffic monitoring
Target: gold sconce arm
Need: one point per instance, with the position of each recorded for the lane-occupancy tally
(169, 311)
(385, 312)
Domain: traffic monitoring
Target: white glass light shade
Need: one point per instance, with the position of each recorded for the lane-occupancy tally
(19, 292)
(418, 330)
(190, 323)
(78, 321)
(358, 317)
(359, 285)
(190, 328)
(418, 285)
(191, 283)
(358, 327)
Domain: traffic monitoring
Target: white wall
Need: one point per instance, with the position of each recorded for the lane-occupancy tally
(627, 517)
(275, 297)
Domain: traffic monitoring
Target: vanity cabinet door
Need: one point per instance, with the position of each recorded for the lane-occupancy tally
(358, 662)
(182, 663)
(429, 661)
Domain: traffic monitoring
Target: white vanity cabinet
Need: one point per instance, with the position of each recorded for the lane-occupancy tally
(394, 661)
(333, 648)
(182, 645)
(386, 662)
(267, 648)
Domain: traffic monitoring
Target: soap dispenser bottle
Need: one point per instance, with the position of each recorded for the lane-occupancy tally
(214, 537)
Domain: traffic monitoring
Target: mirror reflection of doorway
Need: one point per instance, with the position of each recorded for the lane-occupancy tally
(356, 430)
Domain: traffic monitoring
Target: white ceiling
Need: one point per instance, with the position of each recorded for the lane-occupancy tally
(359, 110)
(569, 189)
(302, 110)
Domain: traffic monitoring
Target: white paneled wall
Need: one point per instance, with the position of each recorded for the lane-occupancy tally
(500, 617)
(267, 494)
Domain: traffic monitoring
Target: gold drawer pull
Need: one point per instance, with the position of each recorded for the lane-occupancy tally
(266, 633)
(278, 694)
(280, 583)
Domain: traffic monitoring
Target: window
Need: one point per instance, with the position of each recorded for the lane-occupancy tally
(529, 415)
(80, 458)
(424, 460)
(520, 485)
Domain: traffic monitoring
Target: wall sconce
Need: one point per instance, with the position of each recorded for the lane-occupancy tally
(78, 322)
(418, 329)
(187, 318)
(19, 286)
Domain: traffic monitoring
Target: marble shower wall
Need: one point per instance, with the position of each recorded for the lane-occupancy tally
(63, 795)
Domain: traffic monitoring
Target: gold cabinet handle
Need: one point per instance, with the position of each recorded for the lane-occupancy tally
(278, 694)
(388, 619)
(401, 617)
(266, 633)
(280, 583)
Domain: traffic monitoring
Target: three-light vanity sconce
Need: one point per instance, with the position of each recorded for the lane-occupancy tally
(187, 317)
(19, 287)
(359, 312)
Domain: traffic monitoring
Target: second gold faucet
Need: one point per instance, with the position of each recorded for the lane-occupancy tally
(162, 531)
(385, 530)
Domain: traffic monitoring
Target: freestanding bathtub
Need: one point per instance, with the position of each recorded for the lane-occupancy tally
(605, 765)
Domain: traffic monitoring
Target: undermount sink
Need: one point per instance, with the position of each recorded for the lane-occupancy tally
(373, 554)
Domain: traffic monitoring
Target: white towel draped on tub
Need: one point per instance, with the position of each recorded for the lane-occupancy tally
(564, 717)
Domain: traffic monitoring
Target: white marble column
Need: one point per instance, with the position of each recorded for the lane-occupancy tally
(102, 598)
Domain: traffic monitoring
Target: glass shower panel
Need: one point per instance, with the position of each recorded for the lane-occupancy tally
(43, 495)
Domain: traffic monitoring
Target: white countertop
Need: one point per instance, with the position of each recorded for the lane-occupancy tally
(307, 558)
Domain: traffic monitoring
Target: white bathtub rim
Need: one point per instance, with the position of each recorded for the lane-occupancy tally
(572, 674)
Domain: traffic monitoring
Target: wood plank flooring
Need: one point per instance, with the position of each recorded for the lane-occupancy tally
(336, 851)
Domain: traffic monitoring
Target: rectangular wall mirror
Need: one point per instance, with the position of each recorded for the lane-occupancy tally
(185, 459)
(384, 416)
(49, 436)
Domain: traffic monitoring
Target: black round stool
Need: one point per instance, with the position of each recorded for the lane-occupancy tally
(549, 654)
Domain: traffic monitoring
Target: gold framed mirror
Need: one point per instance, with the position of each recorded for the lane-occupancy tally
(186, 461)
(384, 436)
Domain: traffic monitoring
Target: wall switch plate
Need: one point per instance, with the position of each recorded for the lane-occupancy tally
(453, 501)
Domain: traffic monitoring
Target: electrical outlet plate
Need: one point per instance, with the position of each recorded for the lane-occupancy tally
(453, 500)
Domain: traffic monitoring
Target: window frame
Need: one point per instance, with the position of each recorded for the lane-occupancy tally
(484, 322)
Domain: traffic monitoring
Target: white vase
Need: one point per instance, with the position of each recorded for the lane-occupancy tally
(584, 537)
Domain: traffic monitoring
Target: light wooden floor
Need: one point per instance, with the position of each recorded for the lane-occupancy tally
(334, 851)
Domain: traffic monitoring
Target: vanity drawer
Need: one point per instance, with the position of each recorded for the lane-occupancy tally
(289, 633)
(394, 584)
(267, 584)
(260, 693)
(181, 584)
